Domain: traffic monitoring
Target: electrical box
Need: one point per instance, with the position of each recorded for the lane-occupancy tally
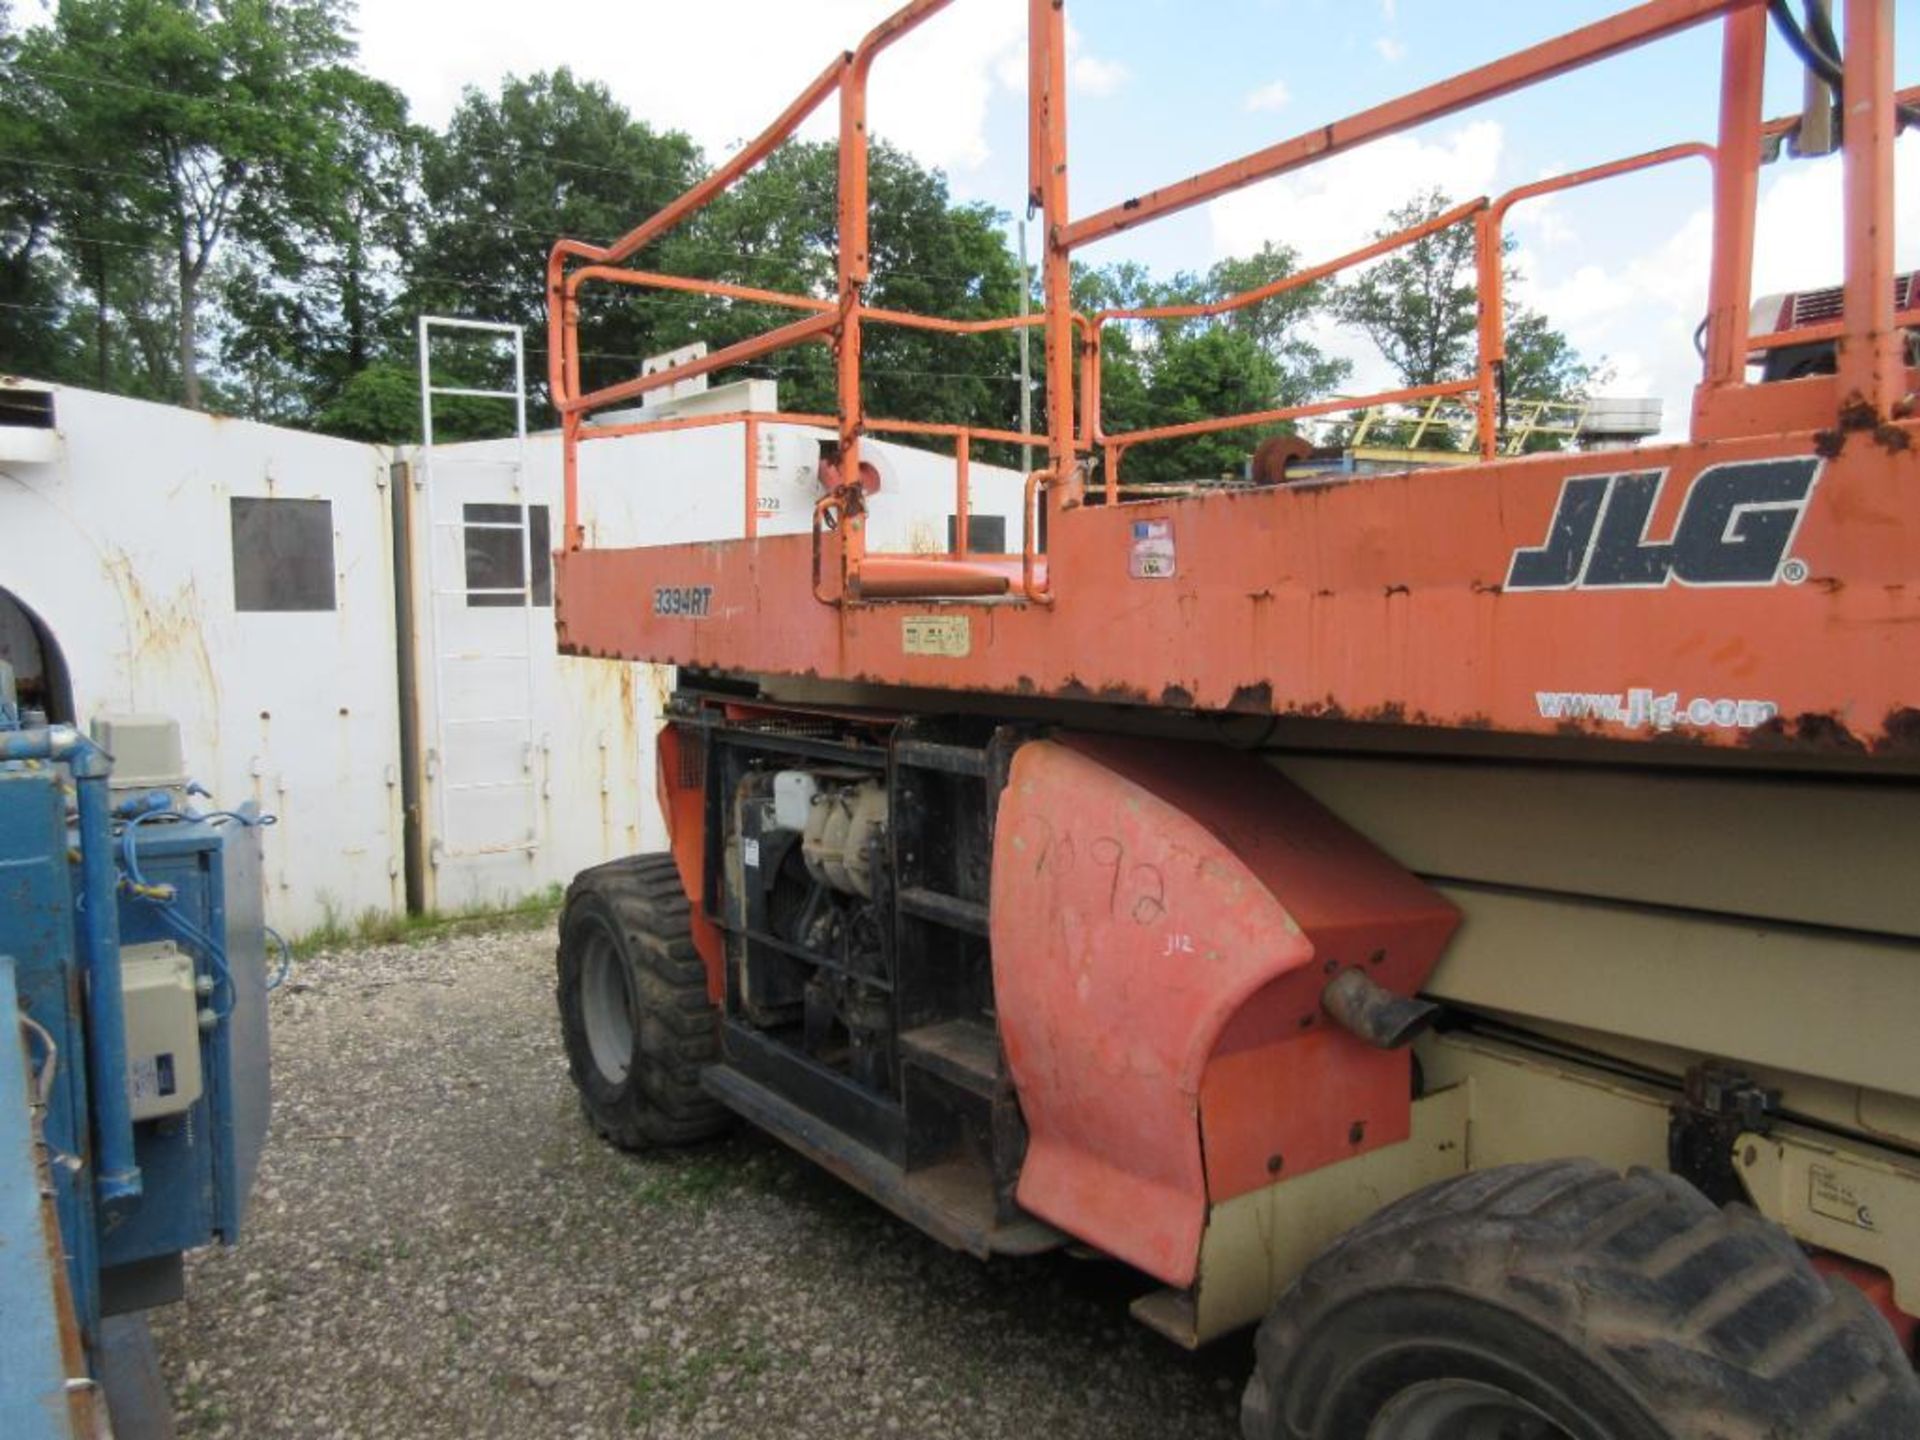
(145, 749)
(163, 1029)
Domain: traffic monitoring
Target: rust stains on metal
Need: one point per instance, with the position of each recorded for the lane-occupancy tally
(1177, 697)
(1828, 444)
(1809, 731)
(1256, 698)
(1857, 413)
(1900, 733)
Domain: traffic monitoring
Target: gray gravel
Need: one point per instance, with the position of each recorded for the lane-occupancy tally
(439, 1247)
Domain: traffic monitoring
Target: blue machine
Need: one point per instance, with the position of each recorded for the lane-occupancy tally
(133, 1055)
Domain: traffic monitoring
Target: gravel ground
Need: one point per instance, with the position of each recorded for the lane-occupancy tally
(439, 1247)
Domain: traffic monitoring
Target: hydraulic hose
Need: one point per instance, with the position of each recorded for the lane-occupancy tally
(1819, 50)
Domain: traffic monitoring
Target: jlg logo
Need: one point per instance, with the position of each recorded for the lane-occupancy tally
(1738, 520)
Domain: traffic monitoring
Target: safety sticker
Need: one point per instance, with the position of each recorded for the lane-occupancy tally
(750, 852)
(948, 635)
(150, 1077)
(1829, 1194)
(1152, 555)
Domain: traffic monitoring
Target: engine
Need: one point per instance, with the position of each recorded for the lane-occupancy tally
(808, 874)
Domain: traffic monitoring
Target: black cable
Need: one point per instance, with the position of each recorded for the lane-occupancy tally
(1819, 51)
(1819, 29)
(1826, 66)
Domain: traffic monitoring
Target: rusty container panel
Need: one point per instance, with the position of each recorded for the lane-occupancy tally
(1164, 917)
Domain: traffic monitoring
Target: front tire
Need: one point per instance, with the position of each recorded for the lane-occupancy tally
(1563, 1301)
(634, 1012)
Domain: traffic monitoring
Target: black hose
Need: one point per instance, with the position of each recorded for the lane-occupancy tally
(1819, 50)
(1819, 29)
(1826, 66)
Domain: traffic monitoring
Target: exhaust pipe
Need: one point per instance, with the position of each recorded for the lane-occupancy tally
(1383, 1019)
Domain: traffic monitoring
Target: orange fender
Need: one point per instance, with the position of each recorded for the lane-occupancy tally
(1164, 917)
(680, 776)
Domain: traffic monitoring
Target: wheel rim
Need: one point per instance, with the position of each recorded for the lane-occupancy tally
(605, 1009)
(1461, 1410)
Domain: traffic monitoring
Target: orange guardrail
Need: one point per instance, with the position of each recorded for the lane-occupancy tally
(1870, 360)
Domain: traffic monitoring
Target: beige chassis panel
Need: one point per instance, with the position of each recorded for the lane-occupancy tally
(1491, 1103)
(1853, 1200)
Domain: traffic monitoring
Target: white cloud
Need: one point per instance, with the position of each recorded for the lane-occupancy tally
(1269, 97)
(1391, 50)
(1641, 314)
(723, 69)
(1335, 206)
(1093, 77)
(1090, 76)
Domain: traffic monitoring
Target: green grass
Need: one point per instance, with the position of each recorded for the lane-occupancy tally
(380, 927)
(679, 1180)
(665, 1385)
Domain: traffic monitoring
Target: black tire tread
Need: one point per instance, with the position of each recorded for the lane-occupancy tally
(677, 1034)
(1714, 1316)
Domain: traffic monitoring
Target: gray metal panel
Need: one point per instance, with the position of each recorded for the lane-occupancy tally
(247, 1026)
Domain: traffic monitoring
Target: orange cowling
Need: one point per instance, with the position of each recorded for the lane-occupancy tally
(1164, 917)
(680, 766)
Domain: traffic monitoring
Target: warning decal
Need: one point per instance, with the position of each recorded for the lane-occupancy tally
(1152, 555)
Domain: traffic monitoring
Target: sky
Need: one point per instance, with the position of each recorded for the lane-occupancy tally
(1159, 89)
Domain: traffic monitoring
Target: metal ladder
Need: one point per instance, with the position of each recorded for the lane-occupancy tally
(442, 591)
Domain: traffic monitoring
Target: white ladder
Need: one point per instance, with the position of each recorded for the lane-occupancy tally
(444, 590)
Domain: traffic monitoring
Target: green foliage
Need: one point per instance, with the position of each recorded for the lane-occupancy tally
(1421, 306)
(550, 155)
(1174, 371)
(205, 201)
(168, 131)
(778, 230)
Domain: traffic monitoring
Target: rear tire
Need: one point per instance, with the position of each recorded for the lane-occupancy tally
(1563, 1301)
(634, 1012)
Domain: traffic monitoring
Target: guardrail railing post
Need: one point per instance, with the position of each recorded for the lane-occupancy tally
(1736, 188)
(1870, 365)
(962, 493)
(1492, 327)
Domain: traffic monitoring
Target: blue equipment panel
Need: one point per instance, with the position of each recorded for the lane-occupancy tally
(37, 929)
(196, 1168)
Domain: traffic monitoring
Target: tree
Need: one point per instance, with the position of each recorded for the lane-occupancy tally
(778, 229)
(31, 286)
(307, 315)
(549, 156)
(188, 124)
(1421, 306)
(1175, 371)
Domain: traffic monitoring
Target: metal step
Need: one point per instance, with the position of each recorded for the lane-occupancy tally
(934, 755)
(964, 1053)
(952, 1201)
(949, 910)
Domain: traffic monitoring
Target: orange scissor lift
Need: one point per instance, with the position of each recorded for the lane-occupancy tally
(1219, 869)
